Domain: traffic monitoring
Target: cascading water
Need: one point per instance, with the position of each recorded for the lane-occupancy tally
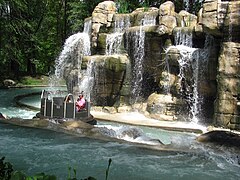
(193, 63)
(199, 64)
(70, 45)
(92, 77)
(188, 64)
(183, 38)
(75, 47)
(114, 40)
(87, 27)
(113, 43)
(149, 20)
(87, 81)
(138, 57)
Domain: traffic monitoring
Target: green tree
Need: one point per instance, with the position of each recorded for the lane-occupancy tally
(78, 11)
(32, 34)
(19, 28)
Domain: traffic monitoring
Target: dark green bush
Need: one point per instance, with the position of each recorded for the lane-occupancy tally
(7, 173)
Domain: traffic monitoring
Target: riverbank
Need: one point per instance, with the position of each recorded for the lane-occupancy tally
(29, 82)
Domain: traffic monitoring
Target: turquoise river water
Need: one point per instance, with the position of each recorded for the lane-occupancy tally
(35, 150)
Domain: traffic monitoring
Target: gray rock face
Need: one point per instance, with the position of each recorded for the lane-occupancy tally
(220, 19)
(222, 138)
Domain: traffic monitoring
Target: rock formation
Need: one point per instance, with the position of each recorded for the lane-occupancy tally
(179, 64)
(221, 19)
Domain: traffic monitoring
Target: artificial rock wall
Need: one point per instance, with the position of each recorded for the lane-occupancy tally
(217, 25)
(222, 19)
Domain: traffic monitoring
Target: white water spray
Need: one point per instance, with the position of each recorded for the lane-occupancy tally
(183, 37)
(193, 63)
(139, 39)
(149, 20)
(138, 56)
(114, 40)
(87, 81)
(75, 47)
(113, 43)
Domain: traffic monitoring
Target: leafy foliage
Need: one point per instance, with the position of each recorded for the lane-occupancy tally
(7, 173)
(5, 169)
(107, 171)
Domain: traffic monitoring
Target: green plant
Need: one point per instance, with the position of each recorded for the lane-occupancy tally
(145, 5)
(109, 164)
(74, 172)
(122, 6)
(5, 169)
(7, 173)
(17, 175)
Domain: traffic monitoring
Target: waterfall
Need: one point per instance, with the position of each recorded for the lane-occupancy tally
(113, 43)
(71, 45)
(149, 20)
(114, 40)
(75, 47)
(195, 99)
(138, 40)
(188, 77)
(87, 27)
(188, 70)
(200, 59)
(87, 81)
(193, 63)
(138, 57)
(183, 37)
(183, 42)
(93, 76)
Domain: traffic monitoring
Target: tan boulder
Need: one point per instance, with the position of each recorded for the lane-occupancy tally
(167, 9)
(142, 17)
(102, 16)
(210, 18)
(187, 19)
(159, 105)
(170, 22)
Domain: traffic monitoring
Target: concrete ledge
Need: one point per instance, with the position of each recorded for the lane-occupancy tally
(140, 120)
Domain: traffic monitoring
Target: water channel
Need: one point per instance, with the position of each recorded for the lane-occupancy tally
(35, 150)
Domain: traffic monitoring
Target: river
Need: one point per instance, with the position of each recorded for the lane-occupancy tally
(35, 150)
